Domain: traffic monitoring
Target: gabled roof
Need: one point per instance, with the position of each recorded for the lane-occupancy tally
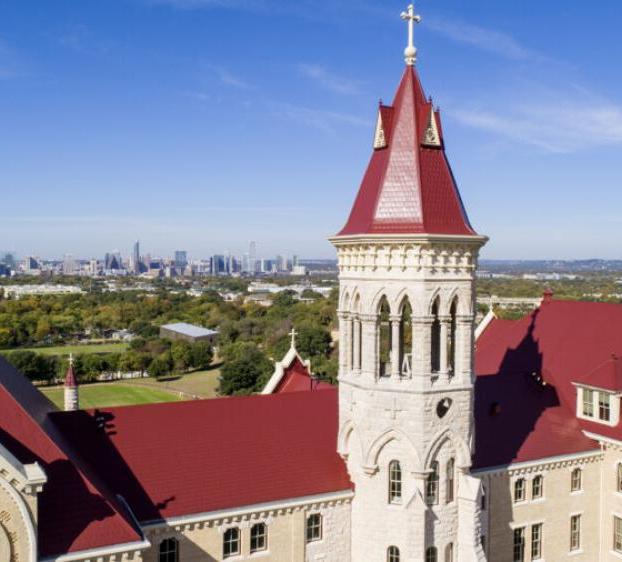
(75, 514)
(607, 375)
(292, 374)
(232, 452)
(525, 399)
(408, 186)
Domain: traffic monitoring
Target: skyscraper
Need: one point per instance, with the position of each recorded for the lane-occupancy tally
(136, 258)
(69, 265)
(252, 257)
(181, 259)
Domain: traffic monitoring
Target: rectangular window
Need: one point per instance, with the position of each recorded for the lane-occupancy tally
(575, 532)
(537, 485)
(431, 485)
(604, 409)
(519, 490)
(617, 534)
(314, 527)
(395, 482)
(519, 545)
(575, 480)
(536, 541)
(588, 403)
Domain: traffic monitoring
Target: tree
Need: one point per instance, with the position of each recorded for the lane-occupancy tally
(313, 340)
(246, 370)
(202, 355)
(285, 299)
(181, 353)
(159, 367)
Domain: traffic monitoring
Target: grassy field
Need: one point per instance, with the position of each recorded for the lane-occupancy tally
(112, 394)
(200, 384)
(75, 349)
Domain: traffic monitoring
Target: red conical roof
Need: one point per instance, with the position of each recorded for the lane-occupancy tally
(408, 185)
(70, 377)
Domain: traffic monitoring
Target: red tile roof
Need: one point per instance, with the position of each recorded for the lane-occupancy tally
(607, 375)
(558, 344)
(74, 513)
(408, 187)
(296, 377)
(182, 458)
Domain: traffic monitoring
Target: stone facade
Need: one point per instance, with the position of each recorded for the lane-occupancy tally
(418, 409)
(201, 538)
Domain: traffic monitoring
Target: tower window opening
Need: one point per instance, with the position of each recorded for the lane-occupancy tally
(451, 343)
(393, 554)
(450, 480)
(436, 338)
(431, 554)
(405, 343)
(385, 336)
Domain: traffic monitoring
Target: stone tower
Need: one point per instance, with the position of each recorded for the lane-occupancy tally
(407, 260)
(72, 401)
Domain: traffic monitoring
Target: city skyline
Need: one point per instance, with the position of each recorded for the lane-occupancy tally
(145, 118)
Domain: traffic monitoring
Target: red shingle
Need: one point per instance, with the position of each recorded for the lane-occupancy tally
(407, 187)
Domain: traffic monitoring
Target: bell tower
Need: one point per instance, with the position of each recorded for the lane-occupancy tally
(407, 259)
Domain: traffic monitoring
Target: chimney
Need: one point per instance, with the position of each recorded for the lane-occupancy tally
(72, 401)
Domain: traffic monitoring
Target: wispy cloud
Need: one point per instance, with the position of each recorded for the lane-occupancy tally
(557, 126)
(330, 81)
(489, 40)
(228, 78)
(321, 119)
(79, 38)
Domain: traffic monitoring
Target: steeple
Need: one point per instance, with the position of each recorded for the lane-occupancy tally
(71, 388)
(408, 186)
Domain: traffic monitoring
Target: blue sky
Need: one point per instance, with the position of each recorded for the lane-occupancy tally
(203, 124)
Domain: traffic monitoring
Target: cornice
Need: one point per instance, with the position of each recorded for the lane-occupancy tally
(475, 240)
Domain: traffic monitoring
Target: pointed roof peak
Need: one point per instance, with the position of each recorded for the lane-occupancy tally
(70, 378)
(408, 187)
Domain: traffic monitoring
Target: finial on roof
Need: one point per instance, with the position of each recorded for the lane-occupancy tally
(410, 52)
(71, 359)
(293, 334)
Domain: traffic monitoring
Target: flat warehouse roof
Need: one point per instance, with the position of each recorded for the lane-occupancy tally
(190, 329)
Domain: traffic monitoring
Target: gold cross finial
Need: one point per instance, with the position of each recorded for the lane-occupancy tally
(410, 52)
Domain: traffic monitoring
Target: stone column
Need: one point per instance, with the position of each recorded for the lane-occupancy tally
(464, 344)
(369, 344)
(343, 342)
(396, 346)
(421, 350)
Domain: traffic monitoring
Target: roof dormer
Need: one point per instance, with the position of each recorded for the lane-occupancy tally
(598, 394)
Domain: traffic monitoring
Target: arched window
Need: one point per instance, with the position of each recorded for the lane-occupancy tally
(259, 537)
(451, 344)
(537, 487)
(450, 480)
(393, 554)
(356, 333)
(619, 478)
(436, 338)
(431, 555)
(449, 552)
(482, 500)
(231, 543)
(406, 339)
(169, 551)
(395, 482)
(575, 480)
(385, 336)
(431, 488)
(519, 490)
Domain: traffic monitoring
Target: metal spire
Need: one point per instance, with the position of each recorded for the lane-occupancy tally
(410, 52)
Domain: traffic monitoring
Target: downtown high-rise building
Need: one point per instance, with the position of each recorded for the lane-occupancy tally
(181, 259)
(135, 265)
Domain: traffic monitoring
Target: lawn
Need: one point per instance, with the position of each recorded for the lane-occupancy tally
(112, 394)
(75, 349)
(200, 384)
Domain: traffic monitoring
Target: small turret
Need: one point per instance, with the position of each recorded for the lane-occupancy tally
(72, 401)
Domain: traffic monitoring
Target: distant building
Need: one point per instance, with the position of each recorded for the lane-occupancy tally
(181, 259)
(187, 332)
(69, 265)
(136, 258)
